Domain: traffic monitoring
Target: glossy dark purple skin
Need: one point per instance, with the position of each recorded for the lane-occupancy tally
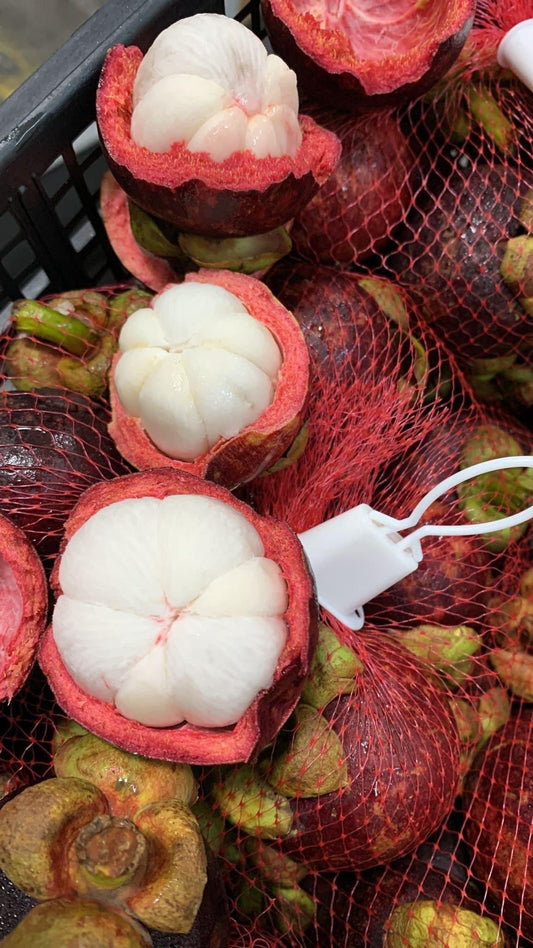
(52, 447)
(402, 756)
(451, 251)
(498, 802)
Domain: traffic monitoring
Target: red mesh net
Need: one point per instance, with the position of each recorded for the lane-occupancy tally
(395, 806)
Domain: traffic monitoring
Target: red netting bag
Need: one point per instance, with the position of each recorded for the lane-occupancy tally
(54, 410)
(438, 195)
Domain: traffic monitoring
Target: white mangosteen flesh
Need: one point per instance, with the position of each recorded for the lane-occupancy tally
(196, 368)
(11, 611)
(170, 610)
(207, 81)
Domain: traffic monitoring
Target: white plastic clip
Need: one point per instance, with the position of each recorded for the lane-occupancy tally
(358, 554)
(515, 52)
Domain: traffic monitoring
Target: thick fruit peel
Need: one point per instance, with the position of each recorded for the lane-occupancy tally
(270, 708)
(234, 461)
(24, 602)
(239, 196)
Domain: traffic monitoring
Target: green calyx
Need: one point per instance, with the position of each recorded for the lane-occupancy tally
(448, 650)
(516, 267)
(294, 451)
(50, 325)
(315, 761)
(333, 672)
(73, 921)
(294, 910)
(429, 924)
(515, 668)
(249, 802)
(241, 254)
(71, 346)
(149, 235)
(274, 867)
(498, 494)
(494, 709)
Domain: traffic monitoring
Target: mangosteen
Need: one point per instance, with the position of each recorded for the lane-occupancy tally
(458, 576)
(67, 341)
(184, 622)
(370, 191)
(204, 132)
(498, 809)
(359, 780)
(53, 446)
(211, 379)
(59, 921)
(466, 251)
(141, 243)
(154, 866)
(361, 57)
(24, 607)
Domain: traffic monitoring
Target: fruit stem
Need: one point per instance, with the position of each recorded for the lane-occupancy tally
(110, 851)
(49, 325)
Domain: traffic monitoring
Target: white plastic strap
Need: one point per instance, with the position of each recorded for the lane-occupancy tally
(360, 553)
(515, 52)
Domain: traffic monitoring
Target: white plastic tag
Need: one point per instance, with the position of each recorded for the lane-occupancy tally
(358, 554)
(515, 52)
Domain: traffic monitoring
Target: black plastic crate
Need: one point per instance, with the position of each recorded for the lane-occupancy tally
(51, 164)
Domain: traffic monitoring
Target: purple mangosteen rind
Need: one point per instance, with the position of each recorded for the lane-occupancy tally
(239, 196)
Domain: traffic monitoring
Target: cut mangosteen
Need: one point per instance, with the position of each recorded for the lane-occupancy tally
(184, 623)
(211, 379)
(204, 130)
(362, 55)
(23, 602)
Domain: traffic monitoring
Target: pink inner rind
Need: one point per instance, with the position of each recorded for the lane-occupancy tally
(269, 710)
(24, 601)
(239, 459)
(310, 44)
(240, 172)
(240, 196)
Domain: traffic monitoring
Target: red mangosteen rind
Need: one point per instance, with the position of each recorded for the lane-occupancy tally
(329, 70)
(153, 271)
(269, 710)
(254, 449)
(24, 598)
(239, 196)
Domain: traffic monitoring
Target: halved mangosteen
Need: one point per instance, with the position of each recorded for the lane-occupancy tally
(211, 379)
(361, 54)
(184, 623)
(24, 602)
(204, 130)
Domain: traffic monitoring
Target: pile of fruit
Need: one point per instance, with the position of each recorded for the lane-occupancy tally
(322, 308)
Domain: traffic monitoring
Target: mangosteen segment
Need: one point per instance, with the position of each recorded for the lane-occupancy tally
(184, 623)
(213, 379)
(195, 368)
(240, 195)
(170, 609)
(208, 81)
